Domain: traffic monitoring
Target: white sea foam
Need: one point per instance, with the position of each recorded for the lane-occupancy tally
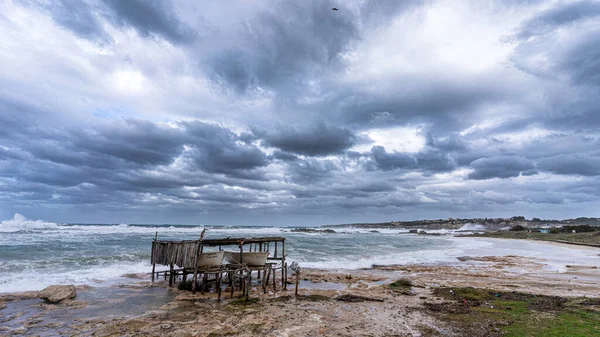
(100, 275)
(20, 223)
(472, 227)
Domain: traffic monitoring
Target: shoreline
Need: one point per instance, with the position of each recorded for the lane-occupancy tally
(367, 303)
(561, 243)
(412, 299)
(141, 277)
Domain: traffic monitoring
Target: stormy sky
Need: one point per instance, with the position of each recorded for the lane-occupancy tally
(286, 112)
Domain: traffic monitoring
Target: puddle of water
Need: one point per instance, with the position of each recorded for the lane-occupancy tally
(101, 303)
(17, 313)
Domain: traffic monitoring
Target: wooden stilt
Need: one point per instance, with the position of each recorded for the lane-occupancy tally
(171, 275)
(297, 282)
(219, 278)
(268, 275)
(230, 275)
(153, 269)
(249, 280)
(203, 285)
(260, 246)
(284, 267)
(263, 281)
(284, 272)
(198, 249)
(241, 262)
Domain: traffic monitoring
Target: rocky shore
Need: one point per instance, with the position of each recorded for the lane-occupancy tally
(486, 223)
(476, 296)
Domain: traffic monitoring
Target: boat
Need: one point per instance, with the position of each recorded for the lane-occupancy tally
(249, 258)
(211, 259)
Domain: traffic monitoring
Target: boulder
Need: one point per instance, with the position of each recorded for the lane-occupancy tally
(57, 293)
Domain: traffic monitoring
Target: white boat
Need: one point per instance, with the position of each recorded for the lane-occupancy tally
(249, 258)
(211, 259)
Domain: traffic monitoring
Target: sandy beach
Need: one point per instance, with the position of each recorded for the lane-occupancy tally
(330, 302)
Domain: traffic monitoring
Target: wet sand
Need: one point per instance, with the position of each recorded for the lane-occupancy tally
(330, 302)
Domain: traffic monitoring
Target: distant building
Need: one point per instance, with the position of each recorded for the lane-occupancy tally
(544, 231)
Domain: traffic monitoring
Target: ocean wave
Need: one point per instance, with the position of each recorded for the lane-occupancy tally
(20, 223)
(472, 227)
(98, 275)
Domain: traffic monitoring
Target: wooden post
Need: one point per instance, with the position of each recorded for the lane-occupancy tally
(241, 262)
(297, 282)
(274, 286)
(249, 277)
(284, 273)
(198, 249)
(152, 255)
(204, 283)
(260, 250)
(219, 278)
(230, 275)
(264, 279)
(171, 276)
(283, 267)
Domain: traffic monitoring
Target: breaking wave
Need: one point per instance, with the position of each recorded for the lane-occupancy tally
(472, 227)
(21, 223)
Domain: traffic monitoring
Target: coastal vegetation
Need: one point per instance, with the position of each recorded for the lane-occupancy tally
(485, 312)
(491, 223)
(557, 235)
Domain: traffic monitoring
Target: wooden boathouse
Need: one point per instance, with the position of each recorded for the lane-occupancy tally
(189, 257)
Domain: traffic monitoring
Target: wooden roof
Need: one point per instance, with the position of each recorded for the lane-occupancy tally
(230, 241)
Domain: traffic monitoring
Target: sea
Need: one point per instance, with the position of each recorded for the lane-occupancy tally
(37, 253)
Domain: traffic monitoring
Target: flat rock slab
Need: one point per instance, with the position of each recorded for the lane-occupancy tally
(57, 293)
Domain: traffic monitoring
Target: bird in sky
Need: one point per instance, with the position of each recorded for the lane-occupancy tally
(334, 9)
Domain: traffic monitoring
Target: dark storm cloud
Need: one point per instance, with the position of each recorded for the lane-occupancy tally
(277, 48)
(580, 164)
(136, 141)
(262, 115)
(567, 35)
(311, 170)
(563, 14)
(131, 155)
(582, 60)
(500, 167)
(283, 52)
(219, 150)
(153, 17)
(311, 140)
(390, 161)
(148, 18)
(81, 17)
(441, 103)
